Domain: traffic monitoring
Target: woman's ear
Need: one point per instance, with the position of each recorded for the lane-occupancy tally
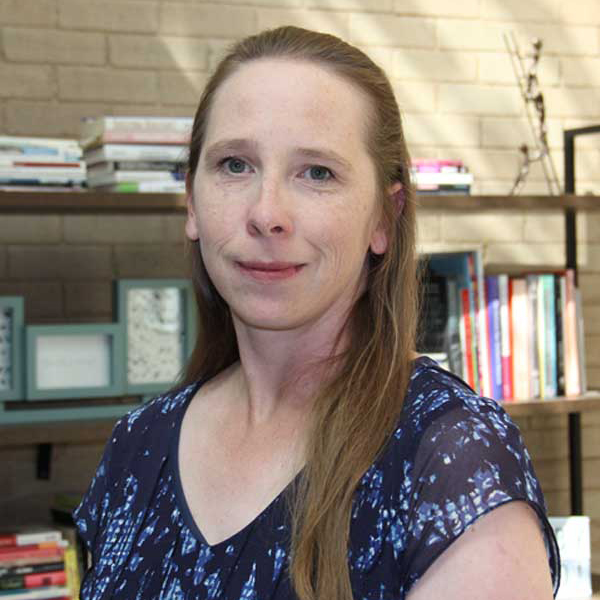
(398, 196)
(379, 238)
(191, 223)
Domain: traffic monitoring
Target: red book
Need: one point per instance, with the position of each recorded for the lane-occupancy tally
(466, 319)
(21, 552)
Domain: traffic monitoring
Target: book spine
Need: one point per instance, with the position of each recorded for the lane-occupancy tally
(550, 378)
(540, 331)
(72, 572)
(453, 328)
(29, 569)
(520, 355)
(476, 322)
(572, 383)
(33, 580)
(532, 309)
(580, 342)
(25, 539)
(559, 293)
(467, 320)
(26, 552)
(495, 350)
(505, 349)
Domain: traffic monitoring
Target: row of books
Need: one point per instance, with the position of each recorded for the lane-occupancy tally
(34, 163)
(147, 154)
(440, 176)
(38, 563)
(136, 154)
(509, 337)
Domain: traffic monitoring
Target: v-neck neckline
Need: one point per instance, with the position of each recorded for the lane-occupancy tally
(182, 502)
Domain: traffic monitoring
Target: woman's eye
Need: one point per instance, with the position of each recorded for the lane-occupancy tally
(233, 165)
(319, 173)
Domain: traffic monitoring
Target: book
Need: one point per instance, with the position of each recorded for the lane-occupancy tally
(53, 550)
(520, 350)
(34, 580)
(140, 130)
(145, 152)
(572, 369)
(580, 341)
(103, 179)
(455, 357)
(559, 305)
(30, 569)
(437, 165)
(493, 323)
(135, 165)
(505, 337)
(466, 268)
(170, 187)
(434, 315)
(442, 190)
(532, 337)
(45, 593)
(547, 338)
(29, 535)
(420, 178)
(21, 146)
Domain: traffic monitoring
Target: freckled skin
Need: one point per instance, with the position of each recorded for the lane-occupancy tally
(275, 210)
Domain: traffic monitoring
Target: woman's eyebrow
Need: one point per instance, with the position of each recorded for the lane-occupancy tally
(217, 149)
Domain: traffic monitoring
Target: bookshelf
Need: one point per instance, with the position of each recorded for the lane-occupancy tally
(97, 203)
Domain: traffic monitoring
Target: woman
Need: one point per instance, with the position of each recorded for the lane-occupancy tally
(308, 452)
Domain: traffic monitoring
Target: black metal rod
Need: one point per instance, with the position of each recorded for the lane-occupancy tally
(575, 460)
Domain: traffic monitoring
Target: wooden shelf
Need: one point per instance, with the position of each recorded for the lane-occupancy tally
(553, 406)
(89, 202)
(92, 202)
(98, 430)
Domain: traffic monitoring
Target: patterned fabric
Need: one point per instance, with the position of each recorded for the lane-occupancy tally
(454, 457)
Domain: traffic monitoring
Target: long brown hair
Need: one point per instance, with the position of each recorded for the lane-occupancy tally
(357, 410)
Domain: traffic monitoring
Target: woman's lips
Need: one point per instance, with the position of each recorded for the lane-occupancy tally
(269, 271)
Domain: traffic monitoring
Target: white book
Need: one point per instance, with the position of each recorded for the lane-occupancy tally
(112, 152)
(13, 141)
(425, 178)
(40, 160)
(99, 179)
(158, 130)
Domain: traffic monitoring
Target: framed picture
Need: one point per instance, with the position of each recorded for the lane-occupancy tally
(11, 347)
(74, 361)
(158, 318)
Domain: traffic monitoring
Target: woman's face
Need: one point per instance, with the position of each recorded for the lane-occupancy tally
(284, 196)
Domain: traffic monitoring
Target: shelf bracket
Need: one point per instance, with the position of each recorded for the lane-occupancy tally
(44, 461)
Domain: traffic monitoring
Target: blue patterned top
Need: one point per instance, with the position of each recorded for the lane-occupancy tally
(453, 457)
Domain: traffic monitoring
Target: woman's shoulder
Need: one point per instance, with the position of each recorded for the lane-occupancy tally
(150, 422)
(436, 396)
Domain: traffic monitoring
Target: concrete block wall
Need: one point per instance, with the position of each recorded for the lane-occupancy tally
(61, 60)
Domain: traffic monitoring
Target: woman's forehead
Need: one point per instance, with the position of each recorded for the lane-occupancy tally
(295, 97)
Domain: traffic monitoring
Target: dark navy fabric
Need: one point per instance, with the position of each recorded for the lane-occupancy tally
(453, 457)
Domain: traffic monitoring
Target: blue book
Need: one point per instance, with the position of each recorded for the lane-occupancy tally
(493, 321)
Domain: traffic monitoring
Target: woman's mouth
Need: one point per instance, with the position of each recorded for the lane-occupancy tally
(269, 271)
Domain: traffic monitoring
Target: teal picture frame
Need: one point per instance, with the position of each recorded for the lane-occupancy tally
(124, 297)
(74, 353)
(11, 343)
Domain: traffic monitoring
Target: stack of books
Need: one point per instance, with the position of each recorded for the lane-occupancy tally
(40, 163)
(37, 564)
(440, 176)
(136, 154)
(509, 337)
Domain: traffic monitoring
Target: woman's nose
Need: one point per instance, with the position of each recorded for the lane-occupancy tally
(269, 215)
